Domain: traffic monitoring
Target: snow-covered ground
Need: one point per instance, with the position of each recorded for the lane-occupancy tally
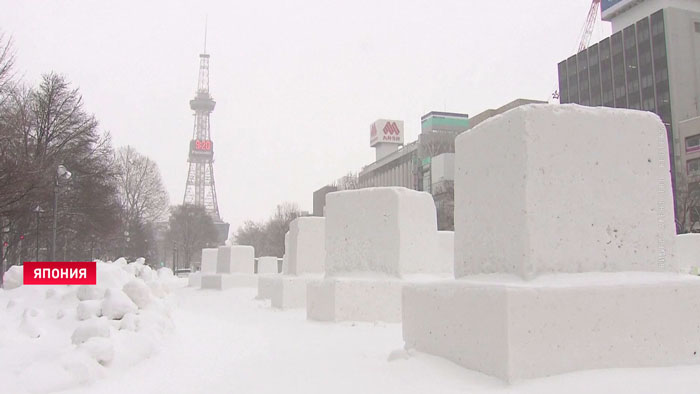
(224, 342)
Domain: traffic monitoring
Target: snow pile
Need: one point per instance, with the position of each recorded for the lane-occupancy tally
(13, 278)
(59, 337)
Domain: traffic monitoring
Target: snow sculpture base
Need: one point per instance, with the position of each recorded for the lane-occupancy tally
(688, 251)
(227, 281)
(355, 299)
(513, 329)
(265, 283)
(194, 279)
(289, 291)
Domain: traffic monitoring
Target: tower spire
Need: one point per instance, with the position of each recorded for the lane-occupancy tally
(206, 17)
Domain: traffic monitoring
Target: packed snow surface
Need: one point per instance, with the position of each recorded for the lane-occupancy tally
(226, 341)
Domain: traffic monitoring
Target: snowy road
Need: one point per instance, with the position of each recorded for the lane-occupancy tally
(226, 342)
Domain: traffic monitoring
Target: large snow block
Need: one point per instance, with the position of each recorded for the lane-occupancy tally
(387, 230)
(227, 281)
(268, 265)
(289, 291)
(306, 246)
(209, 260)
(446, 250)
(688, 251)
(354, 299)
(236, 259)
(518, 330)
(546, 188)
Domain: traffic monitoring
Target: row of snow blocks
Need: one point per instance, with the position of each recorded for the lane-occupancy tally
(305, 256)
(564, 250)
(234, 268)
(375, 239)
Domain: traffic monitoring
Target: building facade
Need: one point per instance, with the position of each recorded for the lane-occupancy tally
(320, 199)
(650, 63)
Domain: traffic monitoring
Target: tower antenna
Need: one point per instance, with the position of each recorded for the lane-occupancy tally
(206, 17)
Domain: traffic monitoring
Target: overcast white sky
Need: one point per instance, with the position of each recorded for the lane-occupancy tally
(297, 83)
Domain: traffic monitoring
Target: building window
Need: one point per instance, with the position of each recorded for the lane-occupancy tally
(692, 144)
(694, 214)
(693, 167)
(649, 104)
(697, 27)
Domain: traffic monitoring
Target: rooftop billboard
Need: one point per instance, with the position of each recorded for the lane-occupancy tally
(386, 131)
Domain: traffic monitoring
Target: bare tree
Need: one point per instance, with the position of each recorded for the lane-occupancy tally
(349, 181)
(191, 229)
(251, 233)
(687, 205)
(445, 205)
(7, 61)
(141, 191)
(268, 237)
(41, 128)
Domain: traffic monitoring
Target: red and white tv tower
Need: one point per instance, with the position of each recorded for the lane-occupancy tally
(200, 188)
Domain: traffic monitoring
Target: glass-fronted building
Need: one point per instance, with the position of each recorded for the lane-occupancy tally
(652, 65)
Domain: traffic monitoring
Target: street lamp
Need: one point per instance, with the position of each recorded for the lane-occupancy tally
(38, 212)
(126, 243)
(61, 174)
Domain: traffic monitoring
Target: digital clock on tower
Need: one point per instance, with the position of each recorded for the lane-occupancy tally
(201, 147)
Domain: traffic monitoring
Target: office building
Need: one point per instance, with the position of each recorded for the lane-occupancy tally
(650, 63)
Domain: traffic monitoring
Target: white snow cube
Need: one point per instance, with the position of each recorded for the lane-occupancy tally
(306, 248)
(209, 260)
(563, 189)
(388, 230)
(267, 265)
(236, 259)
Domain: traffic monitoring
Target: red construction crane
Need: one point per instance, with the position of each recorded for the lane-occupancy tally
(586, 32)
(590, 24)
